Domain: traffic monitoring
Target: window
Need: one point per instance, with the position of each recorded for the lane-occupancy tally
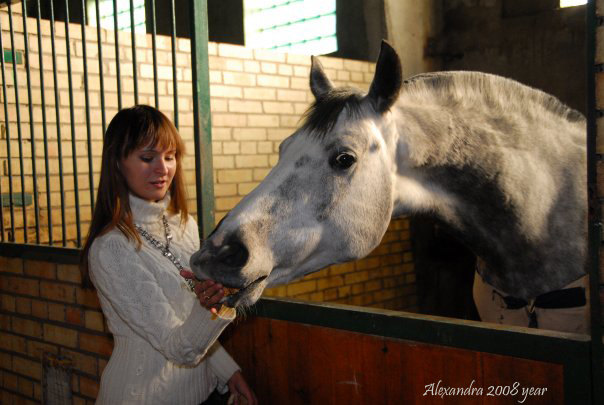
(298, 26)
(571, 3)
(123, 15)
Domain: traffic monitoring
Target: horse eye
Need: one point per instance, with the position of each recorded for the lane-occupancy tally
(343, 160)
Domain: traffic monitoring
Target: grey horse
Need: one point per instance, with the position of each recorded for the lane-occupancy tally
(500, 163)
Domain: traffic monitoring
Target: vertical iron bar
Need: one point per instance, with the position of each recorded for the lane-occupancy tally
(154, 47)
(87, 102)
(117, 57)
(31, 123)
(8, 149)
(101, 74)
(18, 110)
(174, 79)
(202, 125)
(6, 122)
(134, 64)
(58, 123)
(595, 221)
(73, 133)
(44, 127)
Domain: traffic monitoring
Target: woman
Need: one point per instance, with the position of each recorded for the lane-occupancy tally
(140, 238)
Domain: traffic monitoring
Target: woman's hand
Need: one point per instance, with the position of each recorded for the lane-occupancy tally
(208, 292)
(241, 393)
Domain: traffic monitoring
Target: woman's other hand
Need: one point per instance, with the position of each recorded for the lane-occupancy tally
(208, 292)
(241, 393)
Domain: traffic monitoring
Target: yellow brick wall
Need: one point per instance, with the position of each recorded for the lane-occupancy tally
(257, 100)
(44, 310)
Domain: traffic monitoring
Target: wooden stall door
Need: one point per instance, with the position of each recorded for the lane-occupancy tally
(293, 363)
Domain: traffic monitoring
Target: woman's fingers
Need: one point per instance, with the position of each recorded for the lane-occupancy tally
(188, 274)
(209, 293)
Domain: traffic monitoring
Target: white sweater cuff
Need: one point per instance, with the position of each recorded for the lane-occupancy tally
(202, 328)
(222, 364)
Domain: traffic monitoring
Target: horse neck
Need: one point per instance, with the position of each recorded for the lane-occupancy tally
(444, 168)
(418, 139)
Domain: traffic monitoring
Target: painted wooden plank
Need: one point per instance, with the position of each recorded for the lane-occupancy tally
(294, 363)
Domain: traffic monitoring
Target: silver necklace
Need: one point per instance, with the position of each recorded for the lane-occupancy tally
(165, 248)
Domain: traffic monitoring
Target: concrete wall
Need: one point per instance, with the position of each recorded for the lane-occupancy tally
(411, 26)
(534, 42)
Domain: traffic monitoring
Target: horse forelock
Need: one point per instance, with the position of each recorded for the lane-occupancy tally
(322, 116)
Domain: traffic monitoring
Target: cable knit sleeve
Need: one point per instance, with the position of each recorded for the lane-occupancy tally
(222, 364)
(134, 294)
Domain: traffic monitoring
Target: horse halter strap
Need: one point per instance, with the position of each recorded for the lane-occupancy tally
(565, 298)
(165, 249)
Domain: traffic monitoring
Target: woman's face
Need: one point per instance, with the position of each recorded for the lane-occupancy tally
(149, 172)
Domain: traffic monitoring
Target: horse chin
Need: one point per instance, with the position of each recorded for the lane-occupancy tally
(246, 296)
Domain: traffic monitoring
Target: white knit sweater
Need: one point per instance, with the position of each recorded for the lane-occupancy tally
(165, 348)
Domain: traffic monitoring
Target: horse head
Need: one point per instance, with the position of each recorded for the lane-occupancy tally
(328, 200)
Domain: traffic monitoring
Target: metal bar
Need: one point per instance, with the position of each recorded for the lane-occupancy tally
(202, 123)
(595, 225)
(44, 127)
(1, 205)
(154, 47)
(8, 148)
(50, 254)
(174, 78)
(58, 123)
(87, 107)
(31, 124)
(73, 133)
(101, 74)
(18, 110)
(117, 57)
(134, 64)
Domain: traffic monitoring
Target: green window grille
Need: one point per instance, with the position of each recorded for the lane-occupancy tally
(298, 26)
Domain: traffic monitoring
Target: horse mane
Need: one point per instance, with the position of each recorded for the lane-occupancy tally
(450, 89)
(322, 115)
(497, 92)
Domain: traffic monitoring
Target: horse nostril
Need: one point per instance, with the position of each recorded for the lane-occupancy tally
(233, 254)
(200, 258)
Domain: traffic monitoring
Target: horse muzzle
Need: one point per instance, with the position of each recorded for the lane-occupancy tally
(216, 262)
(228, 264)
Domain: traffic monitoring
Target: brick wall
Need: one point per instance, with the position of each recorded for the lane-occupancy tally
(257, 100)
(43, 310)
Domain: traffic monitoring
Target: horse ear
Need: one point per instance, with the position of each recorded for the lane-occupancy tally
(387, 80)
(319, 82)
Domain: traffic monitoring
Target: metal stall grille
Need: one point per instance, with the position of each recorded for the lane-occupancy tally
(65, 72)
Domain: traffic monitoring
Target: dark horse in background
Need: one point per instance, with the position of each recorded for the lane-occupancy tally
(500, 163)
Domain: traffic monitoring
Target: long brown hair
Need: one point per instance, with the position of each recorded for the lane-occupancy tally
(130, 129)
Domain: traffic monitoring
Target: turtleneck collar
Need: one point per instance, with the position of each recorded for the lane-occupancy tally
(148, 212)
